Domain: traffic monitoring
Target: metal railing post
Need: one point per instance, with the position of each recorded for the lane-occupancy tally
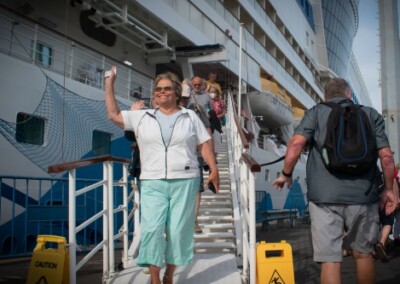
(110, 183)
(105, 219)
(72, 225)
(125, 212)
(243, 207)
(252, 227)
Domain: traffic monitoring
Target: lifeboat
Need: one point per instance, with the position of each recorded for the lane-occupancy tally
(298, 114)
(272, 107)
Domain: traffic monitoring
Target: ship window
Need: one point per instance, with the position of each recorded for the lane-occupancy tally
(136, 91)
(267, 175)
(90, 74)
(101, 142)
(43, 54)
(30, 129)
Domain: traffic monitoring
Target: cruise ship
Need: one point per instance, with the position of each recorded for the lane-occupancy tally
(272, 59)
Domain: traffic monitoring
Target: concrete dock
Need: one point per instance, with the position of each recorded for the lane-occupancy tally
(306, 271)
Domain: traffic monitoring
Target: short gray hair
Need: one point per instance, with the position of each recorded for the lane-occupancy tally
(337, 88)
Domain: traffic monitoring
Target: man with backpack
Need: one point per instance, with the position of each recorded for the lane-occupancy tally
(344, 144)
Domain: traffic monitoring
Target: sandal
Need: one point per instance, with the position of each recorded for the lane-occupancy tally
(197, 228)
(165, 280)
(380, 252)
(346, 252)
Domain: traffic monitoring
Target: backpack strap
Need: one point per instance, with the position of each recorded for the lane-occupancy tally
(338, 105)
(335, 107)
(332, 104)
(346, 101)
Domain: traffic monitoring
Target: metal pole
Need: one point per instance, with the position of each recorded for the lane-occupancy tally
(252, 229)
(125, 213)
(245, 222)
(110, 182)
(239, 98)
(106, 259)
(72, 226)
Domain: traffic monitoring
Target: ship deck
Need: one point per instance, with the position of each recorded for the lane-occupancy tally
(219, 270)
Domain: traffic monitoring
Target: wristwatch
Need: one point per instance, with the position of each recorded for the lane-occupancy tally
(286, 174)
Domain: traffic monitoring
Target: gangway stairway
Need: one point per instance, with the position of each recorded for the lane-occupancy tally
(215, 216)
(215, 258)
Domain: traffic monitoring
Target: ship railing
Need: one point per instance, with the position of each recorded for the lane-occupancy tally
(51, 51)
(107, 214)
(47, 215)
(33, 206)
(243, 169)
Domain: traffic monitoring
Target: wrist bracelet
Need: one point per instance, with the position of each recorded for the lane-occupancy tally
(286, 174)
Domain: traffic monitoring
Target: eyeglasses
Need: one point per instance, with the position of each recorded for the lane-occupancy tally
(196, 85)
(165, 89)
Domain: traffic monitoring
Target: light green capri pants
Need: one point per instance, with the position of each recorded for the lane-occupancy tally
(167, 206)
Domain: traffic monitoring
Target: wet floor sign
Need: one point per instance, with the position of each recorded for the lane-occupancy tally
(274, 263)
(49, 265)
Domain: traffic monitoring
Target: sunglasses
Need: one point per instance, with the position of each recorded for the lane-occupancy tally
(165, 89)
(196, 85)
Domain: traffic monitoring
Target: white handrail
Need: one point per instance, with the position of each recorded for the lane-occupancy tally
(245, 188)
(108, 214)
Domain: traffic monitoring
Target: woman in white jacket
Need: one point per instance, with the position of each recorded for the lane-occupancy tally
(168, 137)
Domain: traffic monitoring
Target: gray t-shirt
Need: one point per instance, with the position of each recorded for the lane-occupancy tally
(203, 99)
(324, 187)
(167, 123)
(201, 114)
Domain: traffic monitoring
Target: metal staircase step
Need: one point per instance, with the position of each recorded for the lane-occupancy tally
(213, 235)
(207, 247)
(219, 226)
(209, 197)
(225, 245)
(223, 192)
(215, 210)
(215, 218)
(221, 204)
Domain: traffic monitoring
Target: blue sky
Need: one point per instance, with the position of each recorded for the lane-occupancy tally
(366, 49)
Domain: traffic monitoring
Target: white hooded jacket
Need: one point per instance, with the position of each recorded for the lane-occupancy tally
(176, 160)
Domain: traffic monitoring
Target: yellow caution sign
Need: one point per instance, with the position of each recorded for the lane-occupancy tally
(274, 263)
(49, 265)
